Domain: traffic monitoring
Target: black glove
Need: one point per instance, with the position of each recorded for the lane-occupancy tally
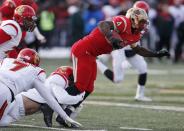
(162, 53)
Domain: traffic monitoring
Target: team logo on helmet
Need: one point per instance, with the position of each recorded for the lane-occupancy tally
(20, 10)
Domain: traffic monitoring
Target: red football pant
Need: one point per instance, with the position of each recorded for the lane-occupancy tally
(85, 71)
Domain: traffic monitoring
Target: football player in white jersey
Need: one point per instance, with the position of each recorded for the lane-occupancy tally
(29, 102)
(11, 30)
(125, 58)
(22, 74)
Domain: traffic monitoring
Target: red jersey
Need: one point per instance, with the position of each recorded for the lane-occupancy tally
(96, 44)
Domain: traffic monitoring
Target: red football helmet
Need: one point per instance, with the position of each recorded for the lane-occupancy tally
(143, 5)
(26, 17)
(68, 71)
(30, 56)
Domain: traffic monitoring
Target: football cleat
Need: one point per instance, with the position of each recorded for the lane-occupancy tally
(142, 98)
(47, 114)
(62, 122)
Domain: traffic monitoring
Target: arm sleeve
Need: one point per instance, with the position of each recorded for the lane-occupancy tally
(49, 99)
(36, 32)
(63, 97)
(58, 85)
(120, 23)
(42, 75)
(10, 29)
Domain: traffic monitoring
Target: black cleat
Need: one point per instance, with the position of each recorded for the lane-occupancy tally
(47, 114)
(62, 122)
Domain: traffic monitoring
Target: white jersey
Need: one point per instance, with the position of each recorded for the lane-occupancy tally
(19, 76)
(51, 82)
(13, 29)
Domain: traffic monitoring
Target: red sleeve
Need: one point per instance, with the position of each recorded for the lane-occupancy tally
(120, 23)
(4, 37)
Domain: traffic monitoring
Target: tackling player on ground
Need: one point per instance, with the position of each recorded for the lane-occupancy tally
(22, 74)
(29, 102)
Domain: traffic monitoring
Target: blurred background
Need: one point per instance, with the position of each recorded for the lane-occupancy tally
(63, 22)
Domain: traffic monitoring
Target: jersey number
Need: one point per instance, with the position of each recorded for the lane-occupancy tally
(18, 66)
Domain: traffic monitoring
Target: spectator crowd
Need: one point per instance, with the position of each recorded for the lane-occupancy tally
(63, 22)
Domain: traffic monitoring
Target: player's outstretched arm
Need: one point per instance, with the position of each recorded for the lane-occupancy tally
(53, 103)
(148, 53)
(39, 36)
(63, 97)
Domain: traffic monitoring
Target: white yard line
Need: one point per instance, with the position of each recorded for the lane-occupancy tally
(159, 71)
(154, 107)
(49, 128)
(137, 129)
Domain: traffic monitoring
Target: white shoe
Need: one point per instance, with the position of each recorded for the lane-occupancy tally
(143, 98)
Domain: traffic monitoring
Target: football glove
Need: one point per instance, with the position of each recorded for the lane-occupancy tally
(162, 53)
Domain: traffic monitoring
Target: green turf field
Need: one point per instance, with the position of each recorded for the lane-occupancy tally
(112, 107)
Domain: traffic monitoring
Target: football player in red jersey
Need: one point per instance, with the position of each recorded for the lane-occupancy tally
(108, 36)
(126, 57)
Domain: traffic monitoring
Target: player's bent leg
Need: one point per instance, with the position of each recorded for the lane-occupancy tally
(140, 65)
(34, 102)
(5, 103)
(47, 114)
(30, 106)
(16, 111)
(118, 56)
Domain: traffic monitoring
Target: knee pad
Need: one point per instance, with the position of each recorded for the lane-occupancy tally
(142, 68)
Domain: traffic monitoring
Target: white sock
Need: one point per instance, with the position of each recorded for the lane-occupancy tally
(140, 91)
(101, 66)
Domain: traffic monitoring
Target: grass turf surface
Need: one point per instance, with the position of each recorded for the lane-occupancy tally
(166, 89)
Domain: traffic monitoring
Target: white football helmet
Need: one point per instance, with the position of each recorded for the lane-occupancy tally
(138, 17)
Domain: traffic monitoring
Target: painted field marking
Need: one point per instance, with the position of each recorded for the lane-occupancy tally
(159, 71)
(166, 108)
(137, 129)
(50, 128)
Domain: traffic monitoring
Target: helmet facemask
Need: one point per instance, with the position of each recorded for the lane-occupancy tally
(26, 17)
(29, 24)
(139, 19)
